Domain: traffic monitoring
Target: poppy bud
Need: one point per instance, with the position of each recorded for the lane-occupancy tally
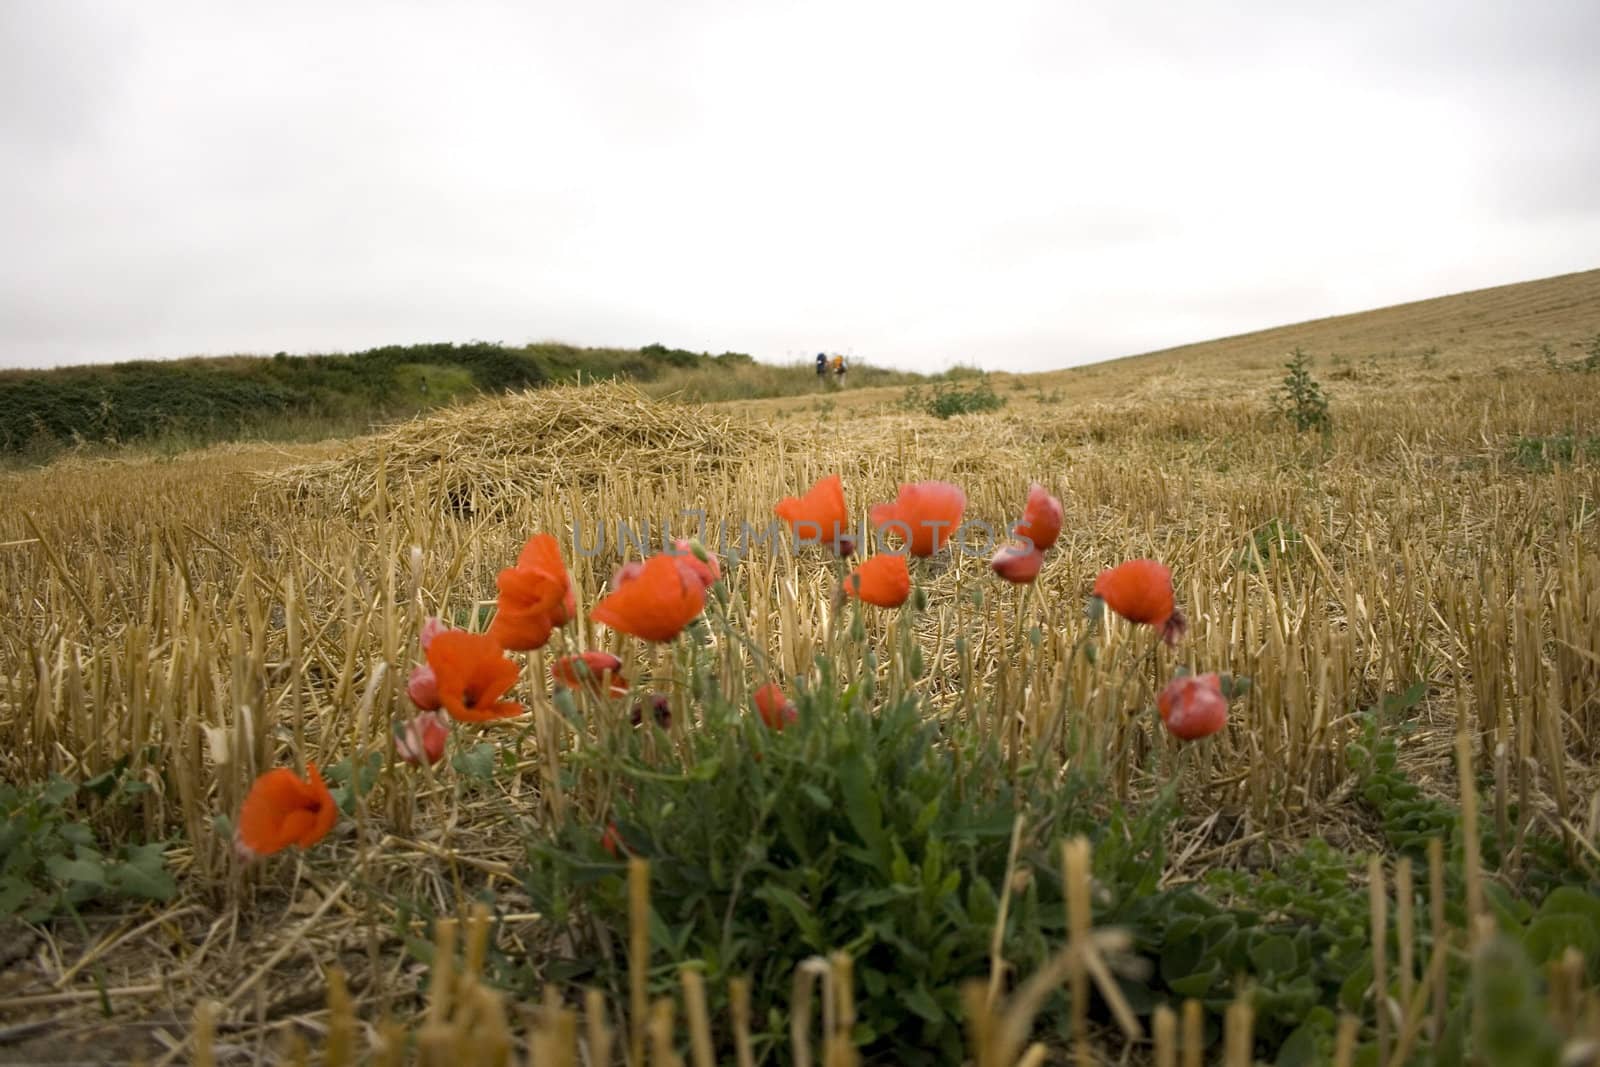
(1192, 706)
(1018, 564)
(422, 740)
(423, 688)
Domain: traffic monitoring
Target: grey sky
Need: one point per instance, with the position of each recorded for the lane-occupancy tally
(1019, 184)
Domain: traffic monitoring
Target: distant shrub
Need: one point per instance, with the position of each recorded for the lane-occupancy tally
(1300, 398)
(965, 370)
(947, 399)
(677, 357)
(1543, 453)
(1589, 364)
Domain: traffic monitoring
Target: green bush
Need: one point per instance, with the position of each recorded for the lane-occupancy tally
(52, 863)
(952, 398)
(869, 829)
(1545, 453)
(1300, 399)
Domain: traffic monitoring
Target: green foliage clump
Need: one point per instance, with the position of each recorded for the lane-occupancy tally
(1300, 398)
(874, 831)
(949, 398)
(1589, 364)
(1544, 453)
(1274, 539)
(53, 863)
(1299, 932)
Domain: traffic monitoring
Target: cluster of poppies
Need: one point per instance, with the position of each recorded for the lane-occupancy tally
(465, 676)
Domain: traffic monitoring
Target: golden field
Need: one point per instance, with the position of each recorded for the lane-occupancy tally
(190, 622)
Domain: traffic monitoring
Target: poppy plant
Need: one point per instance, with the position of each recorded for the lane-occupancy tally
(592, 670)
(884, 580)
(1140, 590)
(422, 739)
(1192, 706)
(1041, 518)
(820, 516)
(473, 674)
(775, 707)
(536, 596)
(283, 809)
(1018, 563)
(924, 515)
(656, 605)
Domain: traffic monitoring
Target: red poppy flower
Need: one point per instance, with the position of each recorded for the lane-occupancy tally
(282, 809)
(656, 605)
(1018, 563)
(422, 739)
(1140, 590)
(884, 580)
(705, 571)
(473, 674)
(612, 841)
(775, 708)
(603, 670)
(536, 596)
(1041, 518)
(423, 688)
(1193, 706)
(820, 517)
(626, 573)
(924, 515)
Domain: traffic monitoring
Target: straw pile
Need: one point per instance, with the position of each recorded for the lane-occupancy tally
(480, 457)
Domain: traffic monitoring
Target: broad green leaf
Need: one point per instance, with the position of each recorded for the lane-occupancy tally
(14, 893)
(1273, 955)
(921, 1002)
(137, 880)
(476, 763)
(89, 872)
(1550, 935)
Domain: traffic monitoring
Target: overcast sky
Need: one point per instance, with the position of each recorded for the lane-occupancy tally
(1018, 184)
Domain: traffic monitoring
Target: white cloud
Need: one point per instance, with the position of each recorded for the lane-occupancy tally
(1024, 184)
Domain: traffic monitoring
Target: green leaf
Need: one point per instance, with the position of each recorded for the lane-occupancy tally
(1234, 685)
(1195, 985)
(817, 796)
(1302, 1048)
(87, 871)
(142, 881)
(1570, 900)
(862, 805)
(476, 763)
(14, 893)
(57, 792)
(1550, 935)
(797, 909)
(1274, 955)
(921, 1002)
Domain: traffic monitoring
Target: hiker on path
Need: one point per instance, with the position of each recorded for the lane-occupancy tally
(822, 366)
(838, 369)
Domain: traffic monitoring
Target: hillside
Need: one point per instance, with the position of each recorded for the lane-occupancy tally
(1507, 326)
